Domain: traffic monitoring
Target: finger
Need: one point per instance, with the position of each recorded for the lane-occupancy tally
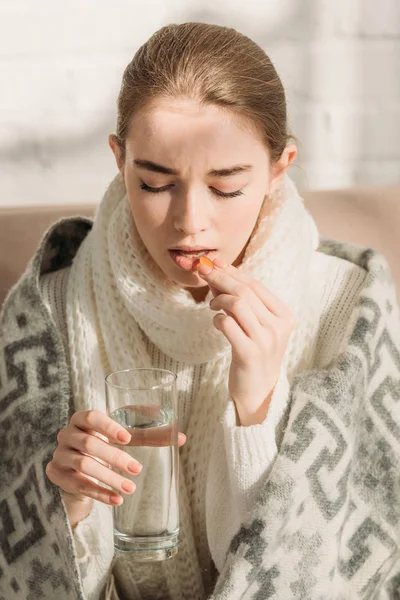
(94, 420)
(101, 450)
(241, 344)
(150, 411)
(243, 314)
(214, 291)
(88, 466)
(230, 280)
(75, 483)
(93, 446)
(165, 435)
(264, 316)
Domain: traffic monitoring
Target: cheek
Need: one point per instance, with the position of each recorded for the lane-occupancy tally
(241, 223)
(145, 209)
(148, 216)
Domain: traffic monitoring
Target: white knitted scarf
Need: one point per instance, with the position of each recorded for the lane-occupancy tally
(117, 294)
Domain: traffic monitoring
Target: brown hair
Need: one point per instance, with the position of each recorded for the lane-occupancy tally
(213, 64)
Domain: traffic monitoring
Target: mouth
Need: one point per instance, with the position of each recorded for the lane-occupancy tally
(185, 259)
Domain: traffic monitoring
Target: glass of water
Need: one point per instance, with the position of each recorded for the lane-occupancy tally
(144, 401)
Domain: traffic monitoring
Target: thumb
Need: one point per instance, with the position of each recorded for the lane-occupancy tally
(181, 439)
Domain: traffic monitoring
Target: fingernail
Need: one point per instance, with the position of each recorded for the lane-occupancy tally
(128, 486)
(134, 467)
(123, 436)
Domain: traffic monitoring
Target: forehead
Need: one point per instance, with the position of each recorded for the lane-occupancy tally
(186, 124)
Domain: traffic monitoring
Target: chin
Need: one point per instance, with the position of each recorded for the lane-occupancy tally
(192, 280)
(184, 278)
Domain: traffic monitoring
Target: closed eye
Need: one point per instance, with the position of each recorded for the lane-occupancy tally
(152, 190)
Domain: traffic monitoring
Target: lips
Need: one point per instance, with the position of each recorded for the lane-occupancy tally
(192, 253)
(185, 260)
(191, 249)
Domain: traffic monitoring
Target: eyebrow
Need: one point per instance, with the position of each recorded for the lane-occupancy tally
(227, 172)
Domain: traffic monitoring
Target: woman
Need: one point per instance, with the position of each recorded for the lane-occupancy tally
(270, 391)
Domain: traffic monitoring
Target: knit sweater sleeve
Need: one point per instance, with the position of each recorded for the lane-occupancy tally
(93, 536)
(242, 457)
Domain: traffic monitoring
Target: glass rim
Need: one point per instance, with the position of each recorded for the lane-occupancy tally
(154, 387)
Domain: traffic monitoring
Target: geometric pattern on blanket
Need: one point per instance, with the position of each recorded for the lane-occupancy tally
(36, 555)
(308, 539)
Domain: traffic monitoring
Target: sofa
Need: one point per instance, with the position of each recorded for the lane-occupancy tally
(367, 216)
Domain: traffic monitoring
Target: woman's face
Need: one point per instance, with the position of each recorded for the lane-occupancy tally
(195, 177)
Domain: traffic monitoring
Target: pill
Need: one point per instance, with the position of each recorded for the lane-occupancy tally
(203, 260)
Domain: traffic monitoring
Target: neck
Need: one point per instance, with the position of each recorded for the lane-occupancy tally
(198, 294)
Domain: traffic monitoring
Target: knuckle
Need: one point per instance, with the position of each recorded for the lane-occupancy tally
(118, 459)
(241, 290)
(82, 488)
(217, 278)
(257, 287)
(83, 463)
(76, 416)
(92, 491)
(238, 303)
(60, 436)
(87, 444)
(91, 416)
(229, 322)
(111, 429)
(56, 455)
(52, 473)
(49, 470)
(96, 494)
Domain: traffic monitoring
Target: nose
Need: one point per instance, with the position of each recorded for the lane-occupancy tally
(190, 213)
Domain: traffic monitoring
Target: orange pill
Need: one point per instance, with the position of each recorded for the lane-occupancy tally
(203, 260)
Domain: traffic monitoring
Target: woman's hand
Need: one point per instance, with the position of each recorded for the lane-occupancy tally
(258, 326)
(85, 458)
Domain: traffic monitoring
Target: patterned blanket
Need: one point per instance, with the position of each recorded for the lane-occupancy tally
(327, 523)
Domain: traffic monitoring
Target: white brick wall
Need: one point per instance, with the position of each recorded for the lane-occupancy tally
(61, 65)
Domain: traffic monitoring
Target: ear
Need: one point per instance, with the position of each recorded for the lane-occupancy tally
(280, 168)
(115, 147)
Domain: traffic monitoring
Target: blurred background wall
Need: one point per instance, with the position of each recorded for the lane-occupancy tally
(61, 65)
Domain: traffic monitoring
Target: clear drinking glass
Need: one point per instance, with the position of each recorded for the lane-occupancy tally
(144, 401)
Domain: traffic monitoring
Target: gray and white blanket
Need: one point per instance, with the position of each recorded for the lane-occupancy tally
(327, 523)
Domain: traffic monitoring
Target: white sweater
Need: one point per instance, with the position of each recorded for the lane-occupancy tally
(240, 456)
